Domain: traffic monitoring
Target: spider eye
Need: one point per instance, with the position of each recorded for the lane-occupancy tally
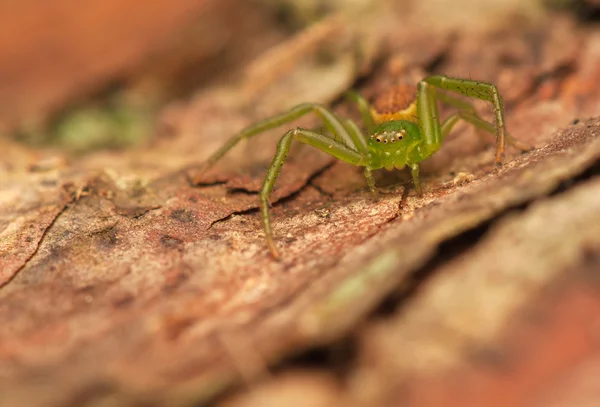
(399, 136)
(378, 139)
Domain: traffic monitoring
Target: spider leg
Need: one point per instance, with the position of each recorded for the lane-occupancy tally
(371, 183)
(454, 101)
(479, 90)
(323, 143)
(414, 171)
(468, 113)
(354, 129)
(429, 126)
(357, 135)
(363, 108)
(429, 119)
(331, 122)
(474, 119)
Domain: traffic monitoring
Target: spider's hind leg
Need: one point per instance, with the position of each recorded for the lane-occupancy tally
(480, 124)
(468, 113)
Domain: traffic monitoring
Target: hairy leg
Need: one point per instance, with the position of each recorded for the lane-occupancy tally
(469, 113)
(371, 182)
(414, 171)
(479, 90)
(331, 122)
(472, 118)
(363, 108)
(429, 120)
(357, 135)
(323, 143)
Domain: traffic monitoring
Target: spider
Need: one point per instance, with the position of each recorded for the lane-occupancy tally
(402, 131)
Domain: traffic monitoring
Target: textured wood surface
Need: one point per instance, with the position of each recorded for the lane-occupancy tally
(128, 279)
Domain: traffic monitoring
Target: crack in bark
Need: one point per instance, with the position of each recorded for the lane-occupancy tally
(319, 189)
(40, 241)
(287, 198)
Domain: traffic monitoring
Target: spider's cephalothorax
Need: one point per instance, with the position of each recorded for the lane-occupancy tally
(402, 128)
(394, 144)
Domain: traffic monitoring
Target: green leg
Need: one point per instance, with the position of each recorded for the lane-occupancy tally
(449, 124)
(455, 101)
(463, 106)
(414, 170)
(451, 121)
(429, 120)
(323, 143)
(480, 90)
(331, 122)
(353, 128)
(478, 122)
(371, 183)
(357, 135)
(472, 118)
(470, 115)
(363, 108)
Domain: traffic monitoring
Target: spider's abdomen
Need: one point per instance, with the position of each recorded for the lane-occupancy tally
(398, 103)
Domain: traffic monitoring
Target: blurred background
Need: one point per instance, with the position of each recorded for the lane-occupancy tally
(86, 75)
(93, 75)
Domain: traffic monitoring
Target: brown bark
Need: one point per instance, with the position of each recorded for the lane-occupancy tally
(129, 279)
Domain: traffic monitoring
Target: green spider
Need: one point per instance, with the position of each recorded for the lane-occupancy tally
(402, 131)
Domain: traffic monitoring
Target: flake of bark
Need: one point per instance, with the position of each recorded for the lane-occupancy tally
(514, 311)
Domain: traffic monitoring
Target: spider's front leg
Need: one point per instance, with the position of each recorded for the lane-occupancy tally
(479, 90)
(323, 143)
(346, 143)
(429, 138)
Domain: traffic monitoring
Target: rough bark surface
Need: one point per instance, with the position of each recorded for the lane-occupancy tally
(129, 279)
